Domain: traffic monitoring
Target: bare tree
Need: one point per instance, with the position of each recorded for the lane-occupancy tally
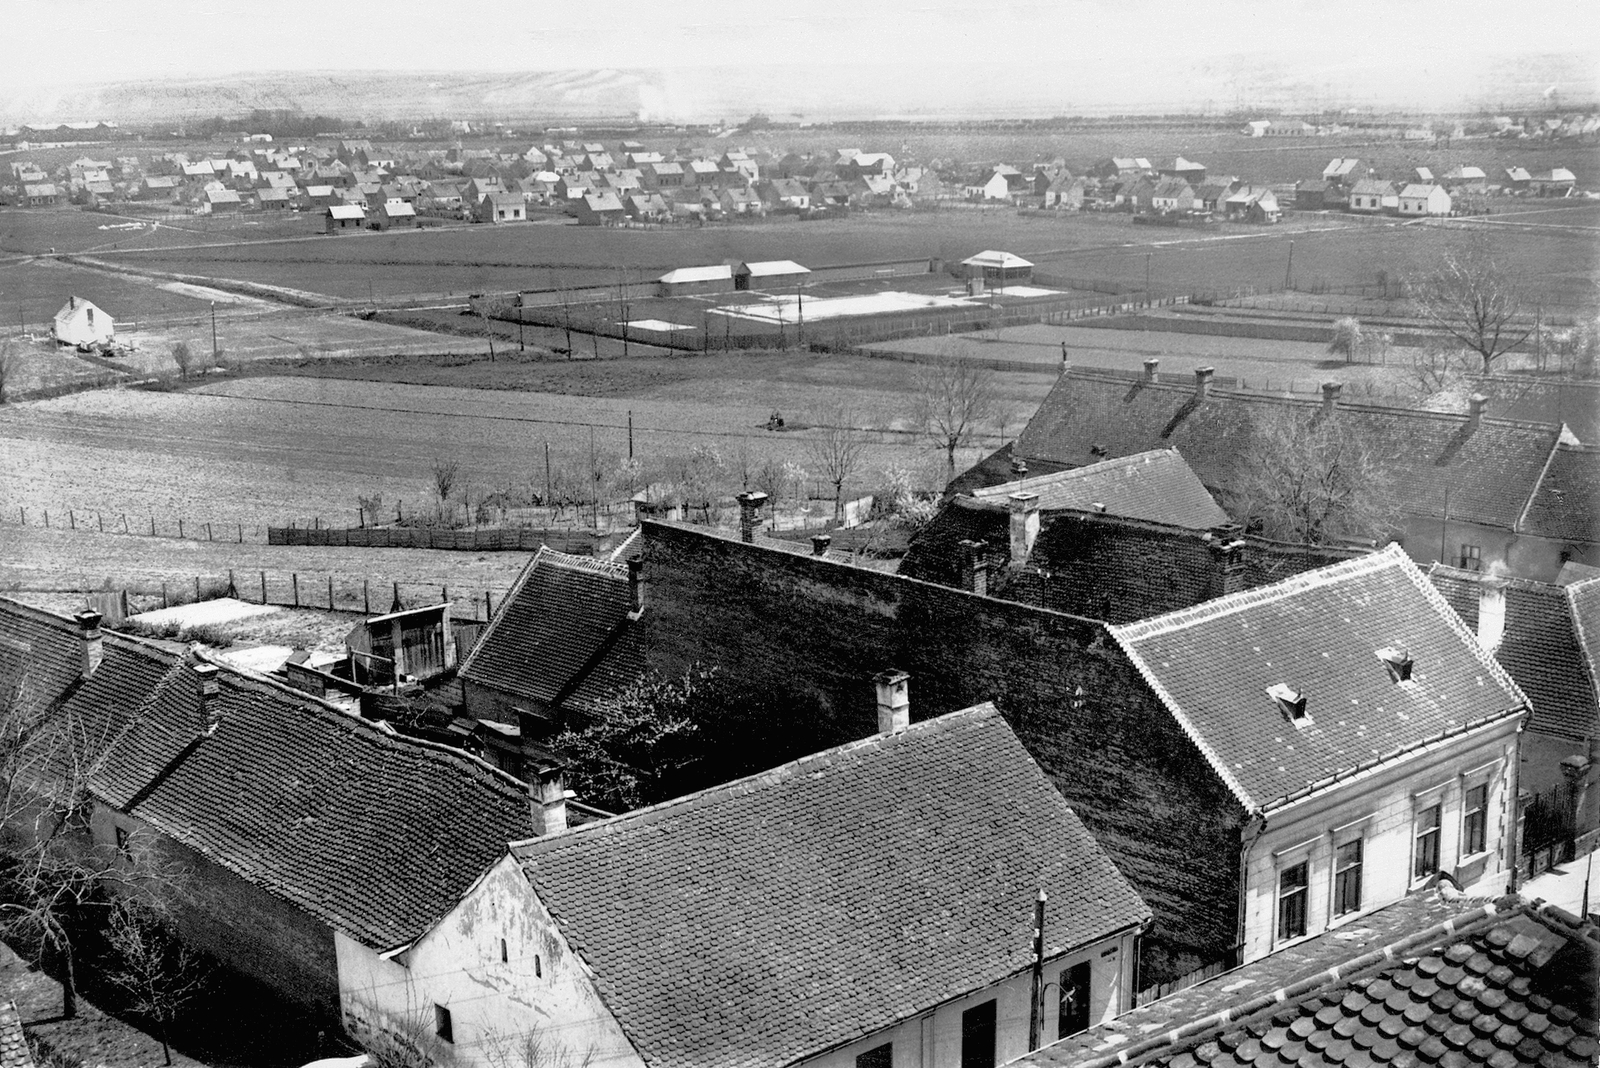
(183, 356)
(837, 453)
(531, 1049)
(410, 1040)
(1314, 480)
(10, 369)
(1472, 298)
(445, 473)
(159, 975)
(1436, 368)
(1347, 338)
(954, 398)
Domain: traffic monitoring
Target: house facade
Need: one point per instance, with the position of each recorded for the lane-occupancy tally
(80, 322)
(1419, 198)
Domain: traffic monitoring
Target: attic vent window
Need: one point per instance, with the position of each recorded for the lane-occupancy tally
(1397, 661)
(1291, 702)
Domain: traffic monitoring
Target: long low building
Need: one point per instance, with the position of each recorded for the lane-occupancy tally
(716, 278)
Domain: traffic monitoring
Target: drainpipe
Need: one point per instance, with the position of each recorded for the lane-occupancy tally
(1254, 827)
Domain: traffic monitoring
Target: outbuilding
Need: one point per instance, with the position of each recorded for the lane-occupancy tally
(998, 267)
(769, 274)
(81, 323)
(339, 217)
(716, 278)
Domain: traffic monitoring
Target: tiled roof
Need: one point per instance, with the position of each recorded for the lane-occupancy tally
(560, 620)
(14, 1052)
(1509, 984)
(1155, 485)
(1487, 470)
(777, 916)
(1566, 504)
(1544, 647)
(1318, 633)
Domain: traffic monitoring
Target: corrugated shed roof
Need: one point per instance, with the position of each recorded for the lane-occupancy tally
(1485, 470)
(774, 917)
(1155, 485)
(1544, 646)
(1318, 633)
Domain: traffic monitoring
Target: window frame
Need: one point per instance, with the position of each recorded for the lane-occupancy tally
(1339, 870)
(881, 1054)
(1471, 557)
(1481, 813)
(444, 1027)
(1434, 803)
(1283, 897)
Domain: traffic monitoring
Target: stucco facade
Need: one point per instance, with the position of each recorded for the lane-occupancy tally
(1384, 810)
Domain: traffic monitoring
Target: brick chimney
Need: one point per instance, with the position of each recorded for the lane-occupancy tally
(1202, 381)
(974, 568)
(207, 689)
(894, 701)
(547, 798)
(820, 543)
(91, 645)
(1024, 509)
(1330, 396)
(750, 513)
(1227, 555)
(635, 586)
(1475, 406)
(1151, 369)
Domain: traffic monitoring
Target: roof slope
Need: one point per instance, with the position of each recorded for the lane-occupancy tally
(1545, 646)
(1155, 485)
(1565, 503)
(562, 611)
(1319, 633)
(1484, 471)
(1507, 984)
(374, 834)
(777, 916)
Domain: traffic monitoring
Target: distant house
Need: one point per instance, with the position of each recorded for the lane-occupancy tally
(1172, 195)
(158, 187)
(701, 174)
(1212, 196)
(788, 918)
(781, 193)
(1065, 194)
(338, 218)
(394, 213)
(222, 200)
(1187, 169)
(1556, 182)
(998, 268)
(646, 207)
(1466, 177)
(1424, 199)
(41, 194)
(1518, 179)
(272, 199)
(662, 175)
(740, 201)
(769, 274)
(1345, 172)
(81, 323)
(443, 195)
(500, 206)
(1253, 203)
(1370, 195)
(1005, 183)
(716, 278)
(599, 209)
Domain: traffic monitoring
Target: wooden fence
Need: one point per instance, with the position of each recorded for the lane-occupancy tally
(501, 539)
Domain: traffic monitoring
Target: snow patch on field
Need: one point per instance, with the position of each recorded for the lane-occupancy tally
(221, 296)
(657, 324)
(786, 308)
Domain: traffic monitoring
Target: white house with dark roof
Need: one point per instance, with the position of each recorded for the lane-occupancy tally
(1370, 740)
(871, 904)
(80, 322)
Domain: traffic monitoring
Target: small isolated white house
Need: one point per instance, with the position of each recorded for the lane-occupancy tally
(81, 323)
(1421, 198)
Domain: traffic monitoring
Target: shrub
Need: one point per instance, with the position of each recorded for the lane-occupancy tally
(1347, 338)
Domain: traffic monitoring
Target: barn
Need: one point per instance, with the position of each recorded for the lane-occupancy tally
(81, 323)
(998, 268)
(710, 279)
(344, 217)
(769, 274)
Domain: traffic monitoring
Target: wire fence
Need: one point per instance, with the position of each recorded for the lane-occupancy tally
(148, 525)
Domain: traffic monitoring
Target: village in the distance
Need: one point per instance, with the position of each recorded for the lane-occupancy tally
(491, 592)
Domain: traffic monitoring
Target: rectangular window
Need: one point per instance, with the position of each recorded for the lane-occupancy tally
(877, 1057)
(1292, 885)
(977, 1036)
(1347, 878)
(442, 1025)
(123, 848)
(1073, 1013)
(1427, 846)
(1471, 557)
(1474, 822)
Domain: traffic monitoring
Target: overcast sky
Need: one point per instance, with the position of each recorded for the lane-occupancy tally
(1093, 51)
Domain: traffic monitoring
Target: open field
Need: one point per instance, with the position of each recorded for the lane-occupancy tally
(70, 229)
(258, 451)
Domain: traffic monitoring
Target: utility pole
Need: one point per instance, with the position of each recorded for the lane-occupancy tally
(548, 492)
(213, 333)
(1148, 256)
(1288, 272)
(1036, 1002)
(800, 307)
(630, 433)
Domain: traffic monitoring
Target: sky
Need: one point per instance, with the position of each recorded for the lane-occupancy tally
(1092, 52)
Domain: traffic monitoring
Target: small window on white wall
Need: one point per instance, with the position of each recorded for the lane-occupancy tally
(1475, 819)
(1426, 851)
(1347, 877)
(1293, 883)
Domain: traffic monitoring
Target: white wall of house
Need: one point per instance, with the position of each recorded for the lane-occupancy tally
(83, 324)
(539, 988)
(933, 1040)
(1382, 809)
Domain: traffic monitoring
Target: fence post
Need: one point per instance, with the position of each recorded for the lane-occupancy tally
(101, 516)
(488, 605)
(241, 533)
(263, 587)
(445, 592)
(330, 593)
(163, 595)
(180, 526)
(152, 526)
(366, 598)
(47, 518)
(233, 591)
(294, 579)
(124, 521)
(208, 532)
(197, 588)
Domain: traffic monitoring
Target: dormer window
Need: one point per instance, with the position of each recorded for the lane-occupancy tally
(1291, 702)
(1397, 662)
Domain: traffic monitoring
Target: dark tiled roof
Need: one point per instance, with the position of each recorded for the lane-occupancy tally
(1565, 503)
(372, 833)
(1512, 984)
(1544, 646)
(1318, 633)
(14, 1052)
(564, 615)
(1155, 485)
(780, 915)
(1489, 470)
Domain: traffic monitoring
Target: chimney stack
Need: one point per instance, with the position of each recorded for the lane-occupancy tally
(750, 513)
(894, 701)
(1019, 467)
(635, 586)
(92, 645)
(974, 568)
(547, 798)
(1227, 554)
(1024, 509)
(820, 543)
(1202, 381)
(1330, 396)
(1151, 367)
(210, 708)
(1491, 612)
(1475, 406)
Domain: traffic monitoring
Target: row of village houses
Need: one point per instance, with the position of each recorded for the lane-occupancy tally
(1089, 737)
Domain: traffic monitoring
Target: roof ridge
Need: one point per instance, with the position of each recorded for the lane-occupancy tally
(1051, 478)
(948, 721)
(1434, 597)
(1236, 602)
